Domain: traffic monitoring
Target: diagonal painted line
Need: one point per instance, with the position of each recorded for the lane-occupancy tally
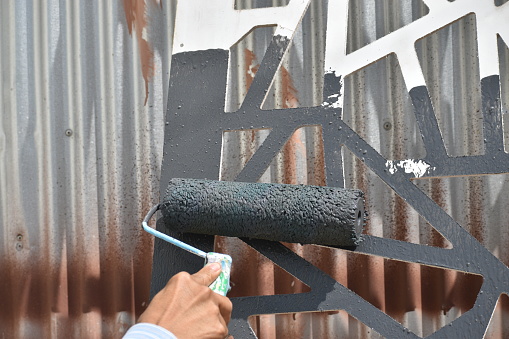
(326, 294)
(492, 115)
(333, 158)
(266, 73)
(262, 158)
(428, 124)
(468, 248)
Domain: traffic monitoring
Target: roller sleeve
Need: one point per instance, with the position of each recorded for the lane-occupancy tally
(290, 213)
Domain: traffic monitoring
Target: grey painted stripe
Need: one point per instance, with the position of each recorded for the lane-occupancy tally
(191, 147)
(332, 148)
(492, 114)
(266, 73)
(428, 124)
(259, 162)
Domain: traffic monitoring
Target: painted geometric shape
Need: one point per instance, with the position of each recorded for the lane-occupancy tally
(196, 114)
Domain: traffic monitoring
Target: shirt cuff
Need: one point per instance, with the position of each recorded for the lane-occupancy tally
(148, 331)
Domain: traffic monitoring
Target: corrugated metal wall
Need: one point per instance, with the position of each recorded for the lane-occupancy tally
(80, 156)
(83, 93)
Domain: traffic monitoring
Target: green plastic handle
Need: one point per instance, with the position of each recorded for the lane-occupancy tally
(222, 284)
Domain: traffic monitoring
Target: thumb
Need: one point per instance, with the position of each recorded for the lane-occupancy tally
(207, 274)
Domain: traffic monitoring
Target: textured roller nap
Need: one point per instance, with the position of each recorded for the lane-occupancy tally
(290, 213)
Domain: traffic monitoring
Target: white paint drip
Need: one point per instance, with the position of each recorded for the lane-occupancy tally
(416, 167)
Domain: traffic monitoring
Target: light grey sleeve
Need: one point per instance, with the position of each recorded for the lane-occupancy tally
(148, 331)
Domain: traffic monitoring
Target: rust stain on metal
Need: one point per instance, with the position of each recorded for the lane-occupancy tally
(251, 66)
(294, 144)
(499, 328)
(292, 151)
(252, 274)
(292, 147)
(435, 282)
(288, 90)
(316, 174)
(250, 69)
(475, 208)
(245, 271)
(439, 197)
(33, 289)
(444, 289)
(402, 284)
(366, 273)
(136, 18)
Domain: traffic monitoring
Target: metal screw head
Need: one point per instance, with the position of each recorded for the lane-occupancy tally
(19, 246)
(68, 132)
(387, 125)
(19, 237)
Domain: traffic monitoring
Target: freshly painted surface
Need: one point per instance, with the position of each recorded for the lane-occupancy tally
(282, 121)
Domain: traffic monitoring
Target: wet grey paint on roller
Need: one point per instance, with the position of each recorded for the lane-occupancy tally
(289, 213)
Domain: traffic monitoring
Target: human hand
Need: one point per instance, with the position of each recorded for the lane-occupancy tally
(188, 308)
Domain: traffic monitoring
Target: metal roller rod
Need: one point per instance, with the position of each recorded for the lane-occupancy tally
(166, 237)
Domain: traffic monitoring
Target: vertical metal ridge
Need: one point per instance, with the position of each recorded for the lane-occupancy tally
(503, 51)
(63, 62)
(40, 236)
(8, 196)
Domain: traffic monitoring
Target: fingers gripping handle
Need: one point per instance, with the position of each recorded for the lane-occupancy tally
(222, 284)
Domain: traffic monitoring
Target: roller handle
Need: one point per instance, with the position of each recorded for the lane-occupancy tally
(222, 284)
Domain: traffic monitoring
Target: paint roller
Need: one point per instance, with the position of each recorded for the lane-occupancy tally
(304, 214)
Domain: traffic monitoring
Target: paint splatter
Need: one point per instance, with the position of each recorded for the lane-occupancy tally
(417, 167)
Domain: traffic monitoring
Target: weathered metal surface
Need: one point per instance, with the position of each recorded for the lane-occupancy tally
(80, 158)
(80, 155)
